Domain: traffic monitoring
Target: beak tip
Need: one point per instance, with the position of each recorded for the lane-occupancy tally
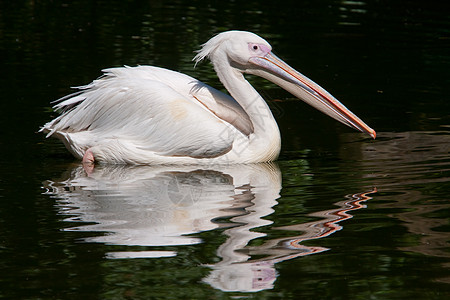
(373, 133)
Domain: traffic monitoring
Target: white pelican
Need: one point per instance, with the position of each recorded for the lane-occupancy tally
(150, 115)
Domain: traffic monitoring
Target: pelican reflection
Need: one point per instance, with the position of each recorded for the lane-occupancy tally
(163, 205)
(168, 205)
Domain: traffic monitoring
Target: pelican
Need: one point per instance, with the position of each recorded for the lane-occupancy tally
(151, 115)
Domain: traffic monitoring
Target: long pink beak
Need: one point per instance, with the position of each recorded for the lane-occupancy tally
(274, 69)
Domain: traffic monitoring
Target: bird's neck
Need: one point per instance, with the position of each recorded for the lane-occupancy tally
(252, 102)
(265, 140)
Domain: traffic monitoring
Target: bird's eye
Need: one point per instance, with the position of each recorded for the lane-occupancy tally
(255, 47)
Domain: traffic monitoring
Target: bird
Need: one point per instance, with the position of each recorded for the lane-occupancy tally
(151, 115)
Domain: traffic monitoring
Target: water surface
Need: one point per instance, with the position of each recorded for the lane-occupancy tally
(338, 216)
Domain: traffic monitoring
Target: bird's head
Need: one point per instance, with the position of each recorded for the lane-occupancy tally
(246, 52)
(238, 47)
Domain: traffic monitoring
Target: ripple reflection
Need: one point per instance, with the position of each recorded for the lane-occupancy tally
(412, 172)
(167, 205)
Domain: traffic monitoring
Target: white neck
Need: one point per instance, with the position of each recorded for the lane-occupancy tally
(266, 134)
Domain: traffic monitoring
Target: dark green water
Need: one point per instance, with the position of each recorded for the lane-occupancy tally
(339, 216)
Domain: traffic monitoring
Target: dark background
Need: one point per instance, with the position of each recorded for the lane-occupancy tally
(388, 61)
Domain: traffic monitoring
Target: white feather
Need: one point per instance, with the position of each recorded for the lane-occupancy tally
(130, 109)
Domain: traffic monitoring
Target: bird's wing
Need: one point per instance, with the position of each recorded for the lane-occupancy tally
(220, 104)
(156, 109)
